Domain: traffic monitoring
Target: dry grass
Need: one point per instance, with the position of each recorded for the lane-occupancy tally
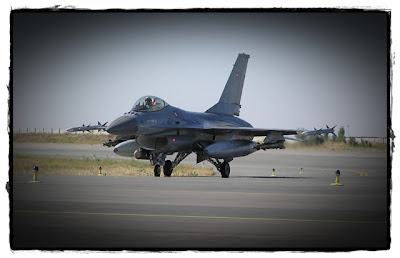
(336, 146)
(71, 166)
(67, 138)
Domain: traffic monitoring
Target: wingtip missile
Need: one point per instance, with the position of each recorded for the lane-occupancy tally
(328, 130)
(89, 127)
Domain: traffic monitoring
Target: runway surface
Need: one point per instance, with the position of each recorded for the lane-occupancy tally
(251, 210)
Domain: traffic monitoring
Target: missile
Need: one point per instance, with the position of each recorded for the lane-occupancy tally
(320, 131)
(89, 127)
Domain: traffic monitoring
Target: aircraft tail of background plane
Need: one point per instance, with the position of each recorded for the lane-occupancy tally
(229, 103)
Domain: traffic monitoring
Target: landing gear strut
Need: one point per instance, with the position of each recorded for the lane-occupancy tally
(170, 165)
(223, 167)
(158, 160)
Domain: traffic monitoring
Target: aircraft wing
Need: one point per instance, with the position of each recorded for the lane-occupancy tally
(223, 130)
(248, 131)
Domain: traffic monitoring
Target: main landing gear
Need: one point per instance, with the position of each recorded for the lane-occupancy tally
(222, 167)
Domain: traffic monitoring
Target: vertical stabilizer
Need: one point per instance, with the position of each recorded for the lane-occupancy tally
(229, 103)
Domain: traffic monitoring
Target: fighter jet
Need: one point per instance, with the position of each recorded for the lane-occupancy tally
(88, 128)
(153, 130)
(320, 131)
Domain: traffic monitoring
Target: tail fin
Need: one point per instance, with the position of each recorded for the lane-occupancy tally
(229, 103)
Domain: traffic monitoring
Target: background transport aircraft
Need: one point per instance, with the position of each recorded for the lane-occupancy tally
(153, 129)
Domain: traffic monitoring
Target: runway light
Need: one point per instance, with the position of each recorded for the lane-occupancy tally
(273, 172)
(337, 174)
(35, 175)
(100, 174)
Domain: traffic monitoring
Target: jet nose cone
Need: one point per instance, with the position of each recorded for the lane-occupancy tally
(124, 125)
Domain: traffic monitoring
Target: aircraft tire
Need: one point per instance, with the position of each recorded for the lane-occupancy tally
(157, 170)
(225, 170)
(168, 168)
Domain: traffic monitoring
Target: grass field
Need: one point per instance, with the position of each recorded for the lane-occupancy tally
(71, 166)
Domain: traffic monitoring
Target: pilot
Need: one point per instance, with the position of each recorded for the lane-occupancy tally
(148, 101)
(149, 104)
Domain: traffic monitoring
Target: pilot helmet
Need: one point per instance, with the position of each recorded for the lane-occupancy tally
(148, 101)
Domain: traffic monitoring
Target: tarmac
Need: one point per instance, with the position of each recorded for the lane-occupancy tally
(251, 210)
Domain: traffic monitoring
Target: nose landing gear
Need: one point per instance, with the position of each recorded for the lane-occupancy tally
(168, 166)
(157, 170)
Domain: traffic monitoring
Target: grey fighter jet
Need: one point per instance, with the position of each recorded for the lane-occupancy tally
(153, 130)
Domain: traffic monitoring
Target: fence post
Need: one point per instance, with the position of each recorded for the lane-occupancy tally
(59, 130)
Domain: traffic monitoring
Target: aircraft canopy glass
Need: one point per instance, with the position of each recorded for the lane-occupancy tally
(149, 104)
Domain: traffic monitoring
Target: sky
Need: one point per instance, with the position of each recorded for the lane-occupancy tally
(306, 69)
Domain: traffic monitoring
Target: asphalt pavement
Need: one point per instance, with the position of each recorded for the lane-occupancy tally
(251, 210)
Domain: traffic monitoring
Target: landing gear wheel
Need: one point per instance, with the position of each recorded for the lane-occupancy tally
(157, 170)
(168, 168)
(225, 170)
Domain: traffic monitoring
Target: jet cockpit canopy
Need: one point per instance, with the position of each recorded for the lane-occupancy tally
(149, 104)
